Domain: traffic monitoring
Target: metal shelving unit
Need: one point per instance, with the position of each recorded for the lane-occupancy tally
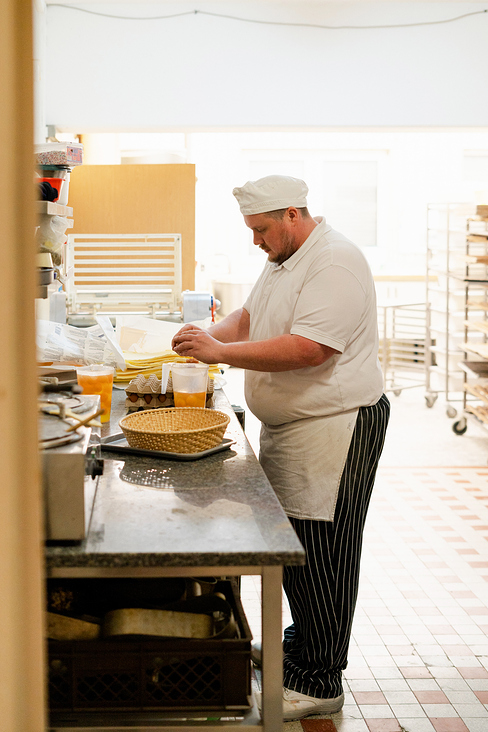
(475, 346)
(403, 330)
(446, 302)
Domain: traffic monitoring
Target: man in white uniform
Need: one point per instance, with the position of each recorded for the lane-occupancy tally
(307, 337)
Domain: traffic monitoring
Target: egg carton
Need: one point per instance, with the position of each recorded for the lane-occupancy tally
(146, 393)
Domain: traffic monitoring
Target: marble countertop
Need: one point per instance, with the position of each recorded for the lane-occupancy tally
(213, 512)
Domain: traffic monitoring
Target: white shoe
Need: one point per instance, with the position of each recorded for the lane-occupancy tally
(298, 706)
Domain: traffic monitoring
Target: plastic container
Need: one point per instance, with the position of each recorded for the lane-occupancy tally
(189, 384)
(455, 339)
(456, 319)
(455, 300)
(98, 379)
(455, 381)
(57, 307)
(59, 179)
(59, 153)
(449, 361)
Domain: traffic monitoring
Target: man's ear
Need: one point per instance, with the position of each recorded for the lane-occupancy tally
(292, 214)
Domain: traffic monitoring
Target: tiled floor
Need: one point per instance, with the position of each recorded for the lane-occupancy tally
(418, 659)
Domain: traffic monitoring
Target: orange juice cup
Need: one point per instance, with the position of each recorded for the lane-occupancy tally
(98, 379)
(189, 384)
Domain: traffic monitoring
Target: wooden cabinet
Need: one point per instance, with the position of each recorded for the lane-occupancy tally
(137, 199)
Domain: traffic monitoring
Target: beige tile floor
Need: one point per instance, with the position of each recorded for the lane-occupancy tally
(418, 660)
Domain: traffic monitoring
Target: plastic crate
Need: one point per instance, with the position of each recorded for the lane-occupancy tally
(151, 674)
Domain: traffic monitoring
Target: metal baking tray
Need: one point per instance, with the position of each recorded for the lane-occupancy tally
(118, 443)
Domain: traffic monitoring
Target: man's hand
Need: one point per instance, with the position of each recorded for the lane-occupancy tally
(192, 341)
(187, 327)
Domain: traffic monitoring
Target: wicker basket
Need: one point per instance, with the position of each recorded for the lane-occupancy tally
(177, 429)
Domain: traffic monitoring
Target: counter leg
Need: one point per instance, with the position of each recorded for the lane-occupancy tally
(272, 650)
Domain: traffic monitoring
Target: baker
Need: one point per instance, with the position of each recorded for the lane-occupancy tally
(307, 337)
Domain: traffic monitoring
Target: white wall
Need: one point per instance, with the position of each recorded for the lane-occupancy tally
(193, 75)
(419, 168)
(196, 71)
(416, 168)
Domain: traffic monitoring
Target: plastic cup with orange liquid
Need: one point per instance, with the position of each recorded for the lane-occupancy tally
(98, 379)
(189, 384)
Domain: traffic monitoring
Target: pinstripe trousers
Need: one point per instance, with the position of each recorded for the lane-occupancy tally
(323, 593)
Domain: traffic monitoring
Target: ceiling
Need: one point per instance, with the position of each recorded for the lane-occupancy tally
(186, 4)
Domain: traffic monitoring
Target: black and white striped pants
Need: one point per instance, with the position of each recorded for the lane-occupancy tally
(322, 594)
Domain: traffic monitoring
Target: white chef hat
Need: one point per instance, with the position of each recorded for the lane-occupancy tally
(271, 193)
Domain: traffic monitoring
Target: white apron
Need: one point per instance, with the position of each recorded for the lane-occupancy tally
(304, 460)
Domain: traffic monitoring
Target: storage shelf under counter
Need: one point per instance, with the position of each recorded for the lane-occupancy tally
(217, 516)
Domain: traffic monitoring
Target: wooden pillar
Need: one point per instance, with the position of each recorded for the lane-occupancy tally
(22, 684)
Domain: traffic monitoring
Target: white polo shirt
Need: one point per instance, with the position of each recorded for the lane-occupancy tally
(324, 292)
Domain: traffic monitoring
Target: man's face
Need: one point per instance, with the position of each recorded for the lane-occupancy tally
(276, 238)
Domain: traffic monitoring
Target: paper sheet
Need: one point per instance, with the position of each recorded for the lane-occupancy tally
(138, 334)
(106, 325)
(59, 342)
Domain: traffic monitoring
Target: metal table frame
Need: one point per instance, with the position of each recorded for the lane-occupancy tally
(272, 669)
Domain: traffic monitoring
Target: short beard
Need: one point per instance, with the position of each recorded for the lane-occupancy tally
(289, 248)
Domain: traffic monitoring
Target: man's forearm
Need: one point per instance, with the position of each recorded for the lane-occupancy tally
(283, 353)
(234, 327)
(228, 342)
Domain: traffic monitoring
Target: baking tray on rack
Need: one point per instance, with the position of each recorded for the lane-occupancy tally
(118, 443)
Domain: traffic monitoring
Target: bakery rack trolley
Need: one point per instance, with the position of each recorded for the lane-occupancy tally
(475, 346)
(446, 298)
(403, 331)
